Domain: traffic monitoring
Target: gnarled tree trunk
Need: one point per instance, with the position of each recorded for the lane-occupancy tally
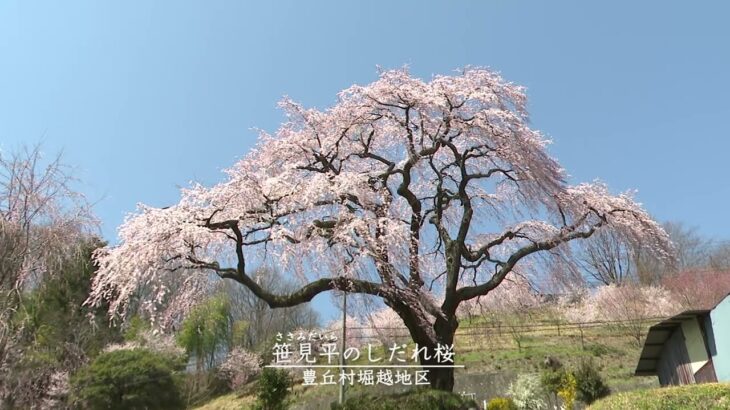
(440, 334)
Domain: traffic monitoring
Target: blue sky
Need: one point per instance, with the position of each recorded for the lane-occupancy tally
(145, 96)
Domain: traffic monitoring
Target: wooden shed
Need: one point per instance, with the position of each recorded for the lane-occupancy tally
(691, 347)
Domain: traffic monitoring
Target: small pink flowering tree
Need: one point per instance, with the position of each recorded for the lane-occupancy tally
(386, 327)
(515, 294)
(239, 367)
(512, 304)
(630, 309)
(358, 333)
(408, 190)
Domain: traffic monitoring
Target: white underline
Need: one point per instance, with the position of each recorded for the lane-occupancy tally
(285, 366)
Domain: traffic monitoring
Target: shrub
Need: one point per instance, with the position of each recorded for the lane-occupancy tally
(568, 389)
(127, 379)
(562, 383)
(501, 403)
(416, 399)
(134, 328)
(551, 379)
(527, 393)
(590, 383)
(598, 349)
(273, 389)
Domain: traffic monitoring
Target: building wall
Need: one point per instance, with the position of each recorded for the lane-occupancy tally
(706, 374)
(695, 344)
(720, 317)
(673, 366)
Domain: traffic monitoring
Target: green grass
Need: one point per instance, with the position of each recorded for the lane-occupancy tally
(695, 397)
(228, 402)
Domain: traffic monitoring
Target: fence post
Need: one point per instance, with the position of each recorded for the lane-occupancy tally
(582, 342)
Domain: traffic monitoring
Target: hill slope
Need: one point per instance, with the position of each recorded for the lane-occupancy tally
(494, 353)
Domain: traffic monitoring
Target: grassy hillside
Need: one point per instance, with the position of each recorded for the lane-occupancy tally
(613, 347)
(492, 357)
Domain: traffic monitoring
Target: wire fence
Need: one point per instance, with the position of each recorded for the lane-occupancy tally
(502, 326)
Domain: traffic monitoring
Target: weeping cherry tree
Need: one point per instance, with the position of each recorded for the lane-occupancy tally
(424, 194)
